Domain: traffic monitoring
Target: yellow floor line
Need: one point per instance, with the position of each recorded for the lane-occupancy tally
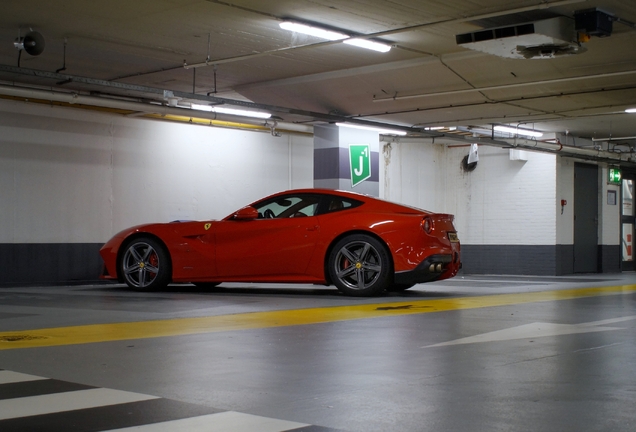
(187, 326)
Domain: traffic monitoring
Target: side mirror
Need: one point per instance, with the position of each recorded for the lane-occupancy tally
(246, 213)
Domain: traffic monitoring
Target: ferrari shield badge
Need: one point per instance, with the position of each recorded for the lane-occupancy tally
(207, 226)
(359, 163)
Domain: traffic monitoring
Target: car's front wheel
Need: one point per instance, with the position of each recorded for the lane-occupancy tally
(360, 265)
(145, 264)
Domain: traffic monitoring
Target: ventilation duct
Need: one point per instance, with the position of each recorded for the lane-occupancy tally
(550, 38)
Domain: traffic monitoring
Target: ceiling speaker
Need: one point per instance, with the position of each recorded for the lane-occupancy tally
(32, 43)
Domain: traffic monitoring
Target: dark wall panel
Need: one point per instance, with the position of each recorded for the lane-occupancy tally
(553, 260)
(52, 263)
(565, 259)
(333, 163)
(609, 258)
(49, 263)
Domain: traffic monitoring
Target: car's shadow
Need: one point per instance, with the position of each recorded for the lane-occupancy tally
(417, 292)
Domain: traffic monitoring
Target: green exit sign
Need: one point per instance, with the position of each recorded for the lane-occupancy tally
(614, 175)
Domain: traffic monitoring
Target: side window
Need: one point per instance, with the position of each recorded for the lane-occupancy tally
(336, 203)
(288, 207)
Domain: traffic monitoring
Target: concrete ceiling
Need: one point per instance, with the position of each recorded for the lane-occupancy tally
(425, 80)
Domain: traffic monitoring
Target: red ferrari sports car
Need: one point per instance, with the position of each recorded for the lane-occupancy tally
(360, 244)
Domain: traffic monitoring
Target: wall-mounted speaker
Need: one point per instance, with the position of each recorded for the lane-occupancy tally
(32, 43)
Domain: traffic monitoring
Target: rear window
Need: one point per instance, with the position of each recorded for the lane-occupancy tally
(337, 203)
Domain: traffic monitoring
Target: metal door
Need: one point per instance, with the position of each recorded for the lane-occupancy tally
(585, 218)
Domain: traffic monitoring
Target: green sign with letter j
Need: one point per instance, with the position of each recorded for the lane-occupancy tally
(359, 163)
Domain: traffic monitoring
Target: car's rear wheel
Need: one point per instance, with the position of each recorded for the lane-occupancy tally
(145, 264)
(360, 265)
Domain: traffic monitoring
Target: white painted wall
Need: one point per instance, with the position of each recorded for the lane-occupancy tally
(75, 176)
(565, 191)
(412, 172)
(610, 215)
(501, 202)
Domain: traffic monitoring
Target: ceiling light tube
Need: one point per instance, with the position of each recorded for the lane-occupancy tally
(333, 36)
(200, 107)
(517, 131)
(368, 44)
(231, 111)
(373, 128)
(245, 113)
(630, 110)
(312, 31)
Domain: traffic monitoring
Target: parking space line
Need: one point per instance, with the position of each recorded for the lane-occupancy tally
(51, 403)
(210, 324)
(219, 422)
(9, 377)
(74, 407)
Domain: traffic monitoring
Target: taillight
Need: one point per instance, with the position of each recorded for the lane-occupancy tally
(427, 225)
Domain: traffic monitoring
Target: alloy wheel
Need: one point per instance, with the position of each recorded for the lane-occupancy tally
(358, 265)
(140, 265)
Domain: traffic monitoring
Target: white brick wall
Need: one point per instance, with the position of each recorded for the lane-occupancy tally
(74, 176)
(500, 202)
(77, 176)
(565, 191)
(504, 201)
(412, 173)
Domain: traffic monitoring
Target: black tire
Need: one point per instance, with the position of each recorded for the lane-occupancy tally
(399, 287)
(145, 264)
(360, 265)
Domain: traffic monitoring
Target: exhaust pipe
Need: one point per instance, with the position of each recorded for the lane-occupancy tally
(433, 268)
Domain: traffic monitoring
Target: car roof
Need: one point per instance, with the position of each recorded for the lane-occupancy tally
(354, 195)
(350, 194)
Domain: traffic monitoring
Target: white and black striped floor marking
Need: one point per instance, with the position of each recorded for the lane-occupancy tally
(33, 403)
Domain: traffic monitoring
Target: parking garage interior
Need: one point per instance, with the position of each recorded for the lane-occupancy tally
(111, 116)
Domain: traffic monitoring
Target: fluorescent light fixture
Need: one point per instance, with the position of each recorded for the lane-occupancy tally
(333, 36)
(365, 43)
(312, 31)
(630, 110)
(245, 113)
(231, 111)
(201, 107)
(372, 128)
(517, 131)
(450, 128)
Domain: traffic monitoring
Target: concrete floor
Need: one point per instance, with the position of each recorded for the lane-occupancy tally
(487, 353)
